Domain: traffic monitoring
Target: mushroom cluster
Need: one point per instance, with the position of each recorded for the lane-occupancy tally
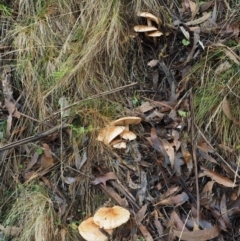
(106, 218)
(150, 30)
(117, 133)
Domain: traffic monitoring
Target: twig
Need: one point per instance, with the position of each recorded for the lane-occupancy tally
(33, 138)
(194, 153)
(91, 98)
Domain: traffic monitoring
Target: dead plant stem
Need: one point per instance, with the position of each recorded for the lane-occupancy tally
(194, 153)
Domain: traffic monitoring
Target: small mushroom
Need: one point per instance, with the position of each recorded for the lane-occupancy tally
(108, 133)
(90, 231)
(155, 34)
(126, 121)
(149, 16)
(119, 144)
(144, 28)
(109, 218)
(128, 135)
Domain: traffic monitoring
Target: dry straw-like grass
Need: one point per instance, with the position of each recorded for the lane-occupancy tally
(213, 87)
(73, 49)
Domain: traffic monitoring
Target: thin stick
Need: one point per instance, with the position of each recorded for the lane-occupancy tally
(91, 98)
(194, 153)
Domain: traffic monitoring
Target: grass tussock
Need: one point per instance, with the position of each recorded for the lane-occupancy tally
(213, 85)
(33, 212)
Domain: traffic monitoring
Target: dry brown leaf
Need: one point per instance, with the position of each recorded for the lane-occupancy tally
(145, 233)
(207, 190)
(155, 79)
(104, 178)
(178, 223)
(158, 224)
(194, 7)
(224, 211)
(186, 156)
(203, 222)
(145, 107)
(218, 178)
(169, 150)
(170, 191)
(33, 161)
(174, 200)
(199, 20)
(157, 145)
(46, 159)
(199, 235)
(227, 110)
(141, 214)
(205, 6)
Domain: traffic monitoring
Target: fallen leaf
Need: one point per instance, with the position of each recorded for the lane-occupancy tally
(199, 20)
(203, 222)
(174, 200)
(200, 235)
(158, 224)
(145, 233)
(207, 190)
(69, 180)
(155, 79)
(178, 223)
(141, 214)
(218, 178)
(186, 156)
(33, 161)
(46, 159)
(169, 150)
(227, 110)
(224, 211)
(194, 7)
(157, 145)
(170, 191)
(185, 32)
(145, 107)
(104, 178)
(205, 6)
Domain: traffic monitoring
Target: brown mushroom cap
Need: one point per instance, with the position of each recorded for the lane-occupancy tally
(155, 34)
(144, 28)
(149, 16)
(107, 134)
(129, 120)
(109, 218)
(90, 231)
(119, 144)
(128, 135)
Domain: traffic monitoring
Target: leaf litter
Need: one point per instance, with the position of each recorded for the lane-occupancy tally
(154, 175)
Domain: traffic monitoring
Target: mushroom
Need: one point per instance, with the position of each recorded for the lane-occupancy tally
(90, 231)
(155, 34)
(128, 135)
(108, 133)
(109, 218)
(119, 144)
(126, 121)
(144, 28)
(149, 17)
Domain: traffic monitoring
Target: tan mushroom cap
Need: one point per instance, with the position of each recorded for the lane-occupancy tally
(155, 34)
(149, 16)
(119, 144)
(107, 134)
(128, 135)
(144, 28)
(129, 120)
(109, 218)
(91, 231)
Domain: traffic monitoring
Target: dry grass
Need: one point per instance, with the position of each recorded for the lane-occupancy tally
(73, 49)
(211, 89)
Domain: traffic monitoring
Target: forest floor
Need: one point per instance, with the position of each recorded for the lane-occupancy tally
(74, 75)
